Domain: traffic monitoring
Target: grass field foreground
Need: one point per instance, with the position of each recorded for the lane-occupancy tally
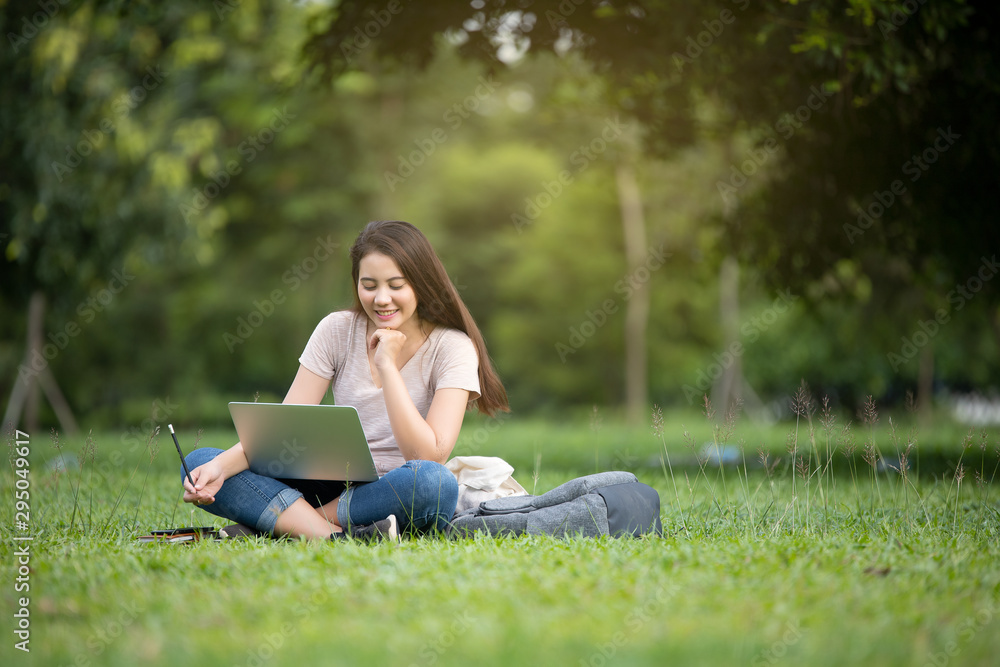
(786, 564)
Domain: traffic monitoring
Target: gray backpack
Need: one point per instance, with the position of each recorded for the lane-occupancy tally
(607, 503)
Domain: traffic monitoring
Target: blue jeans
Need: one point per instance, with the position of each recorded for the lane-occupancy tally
(421, 494)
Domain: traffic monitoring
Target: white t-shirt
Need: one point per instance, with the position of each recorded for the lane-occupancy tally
(337, 350)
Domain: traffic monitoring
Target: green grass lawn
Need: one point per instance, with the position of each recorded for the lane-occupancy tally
(807, 564)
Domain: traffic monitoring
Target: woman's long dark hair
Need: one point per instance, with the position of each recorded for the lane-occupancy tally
(437, 299)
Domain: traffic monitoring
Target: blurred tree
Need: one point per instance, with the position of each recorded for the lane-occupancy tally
(140, 143)
(232, 234)
(849, 107)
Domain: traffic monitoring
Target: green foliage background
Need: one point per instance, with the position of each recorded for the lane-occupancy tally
(225, 237)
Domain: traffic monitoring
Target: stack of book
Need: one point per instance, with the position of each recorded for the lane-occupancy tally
(172, 535)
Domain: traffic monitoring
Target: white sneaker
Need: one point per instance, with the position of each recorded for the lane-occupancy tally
(387, 529)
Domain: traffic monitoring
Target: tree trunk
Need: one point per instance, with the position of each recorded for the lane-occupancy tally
(24, 399)
(925, 382)
(728, 388)
(391, 113)
(637, 307)
(36, 322)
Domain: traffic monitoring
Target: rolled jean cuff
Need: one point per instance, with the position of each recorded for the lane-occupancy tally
(344, 508)
(278, 504)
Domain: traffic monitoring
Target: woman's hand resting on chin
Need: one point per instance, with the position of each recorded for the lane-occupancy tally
(387, 344)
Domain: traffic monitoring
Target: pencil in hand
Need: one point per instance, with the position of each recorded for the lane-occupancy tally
(180, 454)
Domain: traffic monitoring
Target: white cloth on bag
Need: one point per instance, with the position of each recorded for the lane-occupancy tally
(482, 478)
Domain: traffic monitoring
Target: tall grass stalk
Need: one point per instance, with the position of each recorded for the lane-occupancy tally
(536, 471)
(709, 414)
(657, 419)
(894, 439)
(79, 478)
(61, 466)
(903, 469)
(966, 444)
(701, 473)
(873, 456)
(121, 496)
(595, 428)
(850, 445)
(152, 449)
(959, 475)
(828, 421)
(802, 470)
(721, 434)
(803, 406)
(981, 479)
(791, 448)
(997, 466)
(745, 485)
(90, 453)
(768, 470)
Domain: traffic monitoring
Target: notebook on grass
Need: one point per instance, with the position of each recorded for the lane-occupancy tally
(304, 441)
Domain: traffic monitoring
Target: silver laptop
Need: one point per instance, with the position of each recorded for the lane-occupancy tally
(304, 441)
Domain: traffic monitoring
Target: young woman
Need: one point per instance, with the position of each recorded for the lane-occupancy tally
(411, 359)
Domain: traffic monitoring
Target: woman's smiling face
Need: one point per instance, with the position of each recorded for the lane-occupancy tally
(386, 296)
